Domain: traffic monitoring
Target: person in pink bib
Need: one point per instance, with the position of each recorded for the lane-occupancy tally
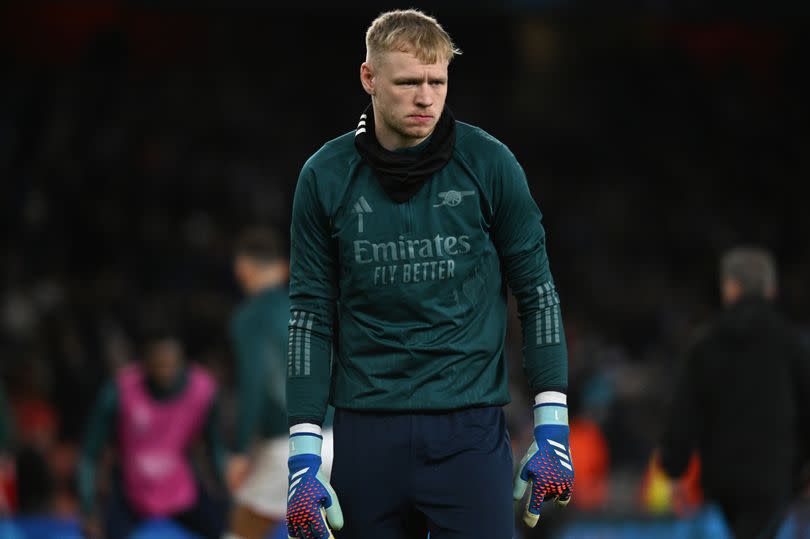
(155, 411)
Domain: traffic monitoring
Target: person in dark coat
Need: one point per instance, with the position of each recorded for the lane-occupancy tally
(741, 402)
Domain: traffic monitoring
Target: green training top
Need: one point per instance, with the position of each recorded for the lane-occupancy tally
(259, 332)
(102, 425)
(403, 306)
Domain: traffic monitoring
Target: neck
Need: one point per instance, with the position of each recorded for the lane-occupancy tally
(267, 278)
(165, 392)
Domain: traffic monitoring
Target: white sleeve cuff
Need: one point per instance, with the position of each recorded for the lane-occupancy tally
(551, 397)
(310, 428)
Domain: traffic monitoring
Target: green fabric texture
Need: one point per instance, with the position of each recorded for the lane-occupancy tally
(403, 306)
(259, 330)
(259, 333)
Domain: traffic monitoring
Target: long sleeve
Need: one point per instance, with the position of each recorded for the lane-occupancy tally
(313, 294)
(251, 373)
(214, 441)
(96, 436)
(520, 239)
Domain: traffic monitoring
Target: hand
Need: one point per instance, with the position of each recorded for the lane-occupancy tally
(311, 501)
(237, 471)
(547, 464)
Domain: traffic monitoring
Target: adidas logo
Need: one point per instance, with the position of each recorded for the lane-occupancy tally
(361, 126)
(561, 452)
(360, 207)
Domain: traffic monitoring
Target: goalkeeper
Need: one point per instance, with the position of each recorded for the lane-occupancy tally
(405, 233)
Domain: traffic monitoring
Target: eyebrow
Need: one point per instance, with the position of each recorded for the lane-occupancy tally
(416, 80)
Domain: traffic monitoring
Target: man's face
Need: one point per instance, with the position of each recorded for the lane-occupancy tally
(408, 97)
(163, 361)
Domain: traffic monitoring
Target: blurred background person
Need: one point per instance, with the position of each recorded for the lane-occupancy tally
(257, 470)
(742, 402)
(154, 412)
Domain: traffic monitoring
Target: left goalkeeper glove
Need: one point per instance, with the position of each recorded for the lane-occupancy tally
(547, 464)
(311, 502)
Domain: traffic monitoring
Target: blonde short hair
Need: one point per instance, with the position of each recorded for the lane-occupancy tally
(409, 30)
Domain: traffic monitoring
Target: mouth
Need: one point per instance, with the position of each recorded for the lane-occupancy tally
(420, 118)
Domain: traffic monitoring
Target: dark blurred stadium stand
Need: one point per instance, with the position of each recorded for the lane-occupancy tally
(137, 140)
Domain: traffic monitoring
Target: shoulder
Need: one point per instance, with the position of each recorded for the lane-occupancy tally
(127, 375)
(326, 174)
(107, 398)
(489, 159)
(108, 394)
(475, 144)
(338, 154)
(242, 315)
(202, 379)
(262, 306)
(491, 162)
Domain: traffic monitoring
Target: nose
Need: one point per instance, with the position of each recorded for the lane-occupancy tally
(424, 95)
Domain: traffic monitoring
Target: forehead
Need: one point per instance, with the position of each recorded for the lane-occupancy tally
(403, 62)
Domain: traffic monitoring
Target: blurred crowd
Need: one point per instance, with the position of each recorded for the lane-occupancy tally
(650, 147)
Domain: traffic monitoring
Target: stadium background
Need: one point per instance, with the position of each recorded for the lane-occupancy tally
(138, 138)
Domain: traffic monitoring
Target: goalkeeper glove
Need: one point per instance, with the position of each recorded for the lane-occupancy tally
(311, 501)
(547, 464)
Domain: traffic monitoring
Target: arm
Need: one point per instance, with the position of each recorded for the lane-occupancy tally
(520, 239)
(313, 294)
(521, 242)
(251, 380)
(213, 439)
(96, 435)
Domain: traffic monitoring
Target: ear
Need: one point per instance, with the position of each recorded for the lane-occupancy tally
(731, 290)
(367, 77)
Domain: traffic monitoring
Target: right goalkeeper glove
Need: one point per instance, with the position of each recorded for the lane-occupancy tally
(311, 501)
(547, 466)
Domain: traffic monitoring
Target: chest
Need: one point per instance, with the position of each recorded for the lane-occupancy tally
(430, 241)
(146, 421)
(449, 205)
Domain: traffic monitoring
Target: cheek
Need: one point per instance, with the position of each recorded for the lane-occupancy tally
(394, 98)
(394, 103)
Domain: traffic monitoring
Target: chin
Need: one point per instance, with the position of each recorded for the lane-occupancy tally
(419, 132)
